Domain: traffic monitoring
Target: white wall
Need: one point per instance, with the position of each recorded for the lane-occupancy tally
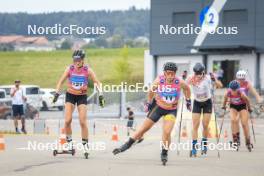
(183, 62)
(148, 68)
(262, 71)
(246, 61)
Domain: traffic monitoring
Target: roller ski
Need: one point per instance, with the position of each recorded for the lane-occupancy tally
(164, 157)
(249, 145)
(193, 152)
(124, 147)
(70, 150)
(204, 146)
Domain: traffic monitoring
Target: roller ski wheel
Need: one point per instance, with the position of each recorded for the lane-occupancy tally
(86, 155)
(250, 147)
(55, 152)
(164, 159)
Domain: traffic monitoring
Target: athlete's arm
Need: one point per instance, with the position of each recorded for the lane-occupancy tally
(255, 93)
(246, 99)
(186, 89)
(13, 91)
(218, 84)
(96, 82)
(215, 81)
(153, 89)
(225, 101)
(62, 80)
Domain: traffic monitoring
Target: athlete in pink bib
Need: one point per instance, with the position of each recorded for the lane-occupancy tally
(246, 87)
(239, 107)
(163, 98)
(77, 75)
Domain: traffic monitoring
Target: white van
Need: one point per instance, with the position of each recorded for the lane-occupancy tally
(30, 91)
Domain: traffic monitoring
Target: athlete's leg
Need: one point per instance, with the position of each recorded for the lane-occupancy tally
(206, 121)
(244, 120)
(234, 124)
(168, 124)
(69, 108)
(147, 124)
(82, 110)
(196, 124)
(152, 118)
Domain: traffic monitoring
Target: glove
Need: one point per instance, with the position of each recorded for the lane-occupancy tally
(55, 98)
(189, 104)
(250, 110)
(212, 77)
(101, 101)
(147, 107)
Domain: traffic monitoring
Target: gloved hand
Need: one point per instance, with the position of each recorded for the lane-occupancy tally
(147, 107)
(250, 110)
(212, 77)
(189, 104)
(101, 101)
(55, 98)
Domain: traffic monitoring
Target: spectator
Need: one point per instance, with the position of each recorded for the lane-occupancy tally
(18, 100)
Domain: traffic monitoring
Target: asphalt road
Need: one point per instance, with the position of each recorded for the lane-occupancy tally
(142, 159)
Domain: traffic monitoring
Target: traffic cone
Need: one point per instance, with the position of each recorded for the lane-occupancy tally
(62, 136)
(184, 132)
(2, 142)
(115, 135)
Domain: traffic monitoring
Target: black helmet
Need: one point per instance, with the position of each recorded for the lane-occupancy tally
(170, 66)
(78, 54)
(198, 68)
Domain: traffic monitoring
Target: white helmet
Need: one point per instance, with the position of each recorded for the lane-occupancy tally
(241, 74)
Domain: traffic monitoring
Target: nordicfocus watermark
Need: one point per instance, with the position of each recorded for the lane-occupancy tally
(138, 87)
(187, 146)
(59, 29)
(209, 20)
(49, 146)
(190, 29)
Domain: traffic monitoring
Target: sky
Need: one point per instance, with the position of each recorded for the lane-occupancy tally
(38, 6)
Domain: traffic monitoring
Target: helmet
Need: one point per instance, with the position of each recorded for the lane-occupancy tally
(234, 85)
(170, 66)
(78, 54)
(198, 68)
(241, 74)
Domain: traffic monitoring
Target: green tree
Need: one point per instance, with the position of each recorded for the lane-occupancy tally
(122, 67)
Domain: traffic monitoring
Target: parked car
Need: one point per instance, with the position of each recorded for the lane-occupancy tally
(31, 92)
(5, 105)
(47, 97)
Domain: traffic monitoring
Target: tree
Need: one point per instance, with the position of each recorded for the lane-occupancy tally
(66, 44)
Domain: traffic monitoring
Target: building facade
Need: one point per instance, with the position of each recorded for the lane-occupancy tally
(237, 43)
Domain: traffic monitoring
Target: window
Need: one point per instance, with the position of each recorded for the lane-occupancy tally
(2, 94)
(32, 90)
(183, 18)
(231, 17)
